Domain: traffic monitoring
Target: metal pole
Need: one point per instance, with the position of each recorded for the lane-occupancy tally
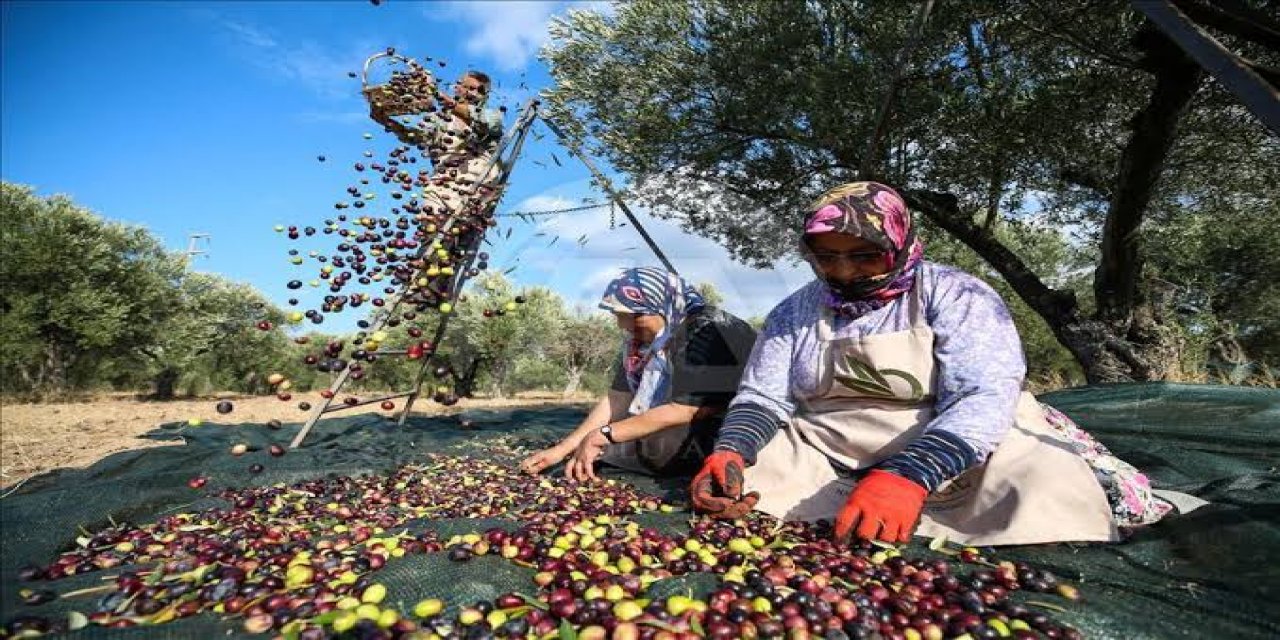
(608, 188)
(192, 242)
(1251, 89)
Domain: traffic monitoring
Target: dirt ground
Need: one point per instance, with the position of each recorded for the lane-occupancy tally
(35, 438)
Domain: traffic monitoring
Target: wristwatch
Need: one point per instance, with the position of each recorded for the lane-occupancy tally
(607, 432)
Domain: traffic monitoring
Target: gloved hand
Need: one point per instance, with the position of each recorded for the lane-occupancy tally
(884, 506)
(717, 489)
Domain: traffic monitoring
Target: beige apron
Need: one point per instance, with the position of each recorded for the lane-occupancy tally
(874, 398)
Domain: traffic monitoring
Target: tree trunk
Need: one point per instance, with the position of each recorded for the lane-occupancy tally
(498, 383)
(1130, 337)
(53, 372)
(465, 384)
(166, 383)
(1142, 162)
(575, 380)
(1138, 314)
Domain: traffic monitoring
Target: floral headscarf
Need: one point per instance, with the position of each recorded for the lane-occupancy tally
(877, 214)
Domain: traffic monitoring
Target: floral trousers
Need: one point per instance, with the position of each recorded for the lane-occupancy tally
(1128, 490)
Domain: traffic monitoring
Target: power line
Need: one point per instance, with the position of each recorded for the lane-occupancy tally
(552, 212)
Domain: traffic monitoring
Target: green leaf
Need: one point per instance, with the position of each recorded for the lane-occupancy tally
(567, 631)
(1047, 605)
(658, 624)
(939, 543)
(327, 617)
(534, 602)
(696, 626)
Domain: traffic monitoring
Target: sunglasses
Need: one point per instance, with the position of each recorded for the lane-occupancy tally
(831, 259)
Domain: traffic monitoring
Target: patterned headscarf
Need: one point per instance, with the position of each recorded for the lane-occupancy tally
(877, 214)
(650, 291)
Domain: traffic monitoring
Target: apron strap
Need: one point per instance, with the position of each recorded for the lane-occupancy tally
(915, 307)
(825, 318)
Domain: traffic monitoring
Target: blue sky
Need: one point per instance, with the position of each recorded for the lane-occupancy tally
(208, 117)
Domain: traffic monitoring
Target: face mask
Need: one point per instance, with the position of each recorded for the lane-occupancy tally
(856, 289)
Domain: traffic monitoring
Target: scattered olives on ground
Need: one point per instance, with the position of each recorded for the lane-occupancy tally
(303, 560)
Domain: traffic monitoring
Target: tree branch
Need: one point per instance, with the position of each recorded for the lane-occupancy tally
(1057, 30)
(1270, 74)
(1141, 163)
(1083, 177)
(1059, 308)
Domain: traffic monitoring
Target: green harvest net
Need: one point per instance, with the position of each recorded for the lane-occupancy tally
(1211, 573)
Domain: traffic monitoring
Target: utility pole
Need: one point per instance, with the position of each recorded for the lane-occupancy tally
(192, 241)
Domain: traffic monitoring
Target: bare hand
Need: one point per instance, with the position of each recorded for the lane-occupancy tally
(581, 467)
(539, 461)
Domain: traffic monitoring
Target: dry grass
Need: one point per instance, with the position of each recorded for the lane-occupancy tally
(38, 437)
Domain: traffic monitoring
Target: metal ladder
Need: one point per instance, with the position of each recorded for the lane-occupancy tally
(508, 153)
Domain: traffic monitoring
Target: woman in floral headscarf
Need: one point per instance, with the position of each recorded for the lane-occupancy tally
(680, 363)
(888, 394)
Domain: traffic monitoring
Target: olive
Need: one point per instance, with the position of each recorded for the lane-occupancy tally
(36, 596)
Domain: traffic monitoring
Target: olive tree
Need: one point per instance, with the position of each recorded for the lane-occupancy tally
(730, 115)
(78, 294)
(587, 342)
(490, 330)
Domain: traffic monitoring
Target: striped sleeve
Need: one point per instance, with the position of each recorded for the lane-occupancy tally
(747, 428)
(932, 459)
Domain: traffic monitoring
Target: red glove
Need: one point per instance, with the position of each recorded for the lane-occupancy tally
(884, 506)
(717, 489)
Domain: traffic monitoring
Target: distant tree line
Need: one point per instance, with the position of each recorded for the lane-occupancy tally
(88, 304)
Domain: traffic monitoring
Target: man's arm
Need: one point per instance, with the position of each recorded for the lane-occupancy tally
(406, 134)
(485, 122)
